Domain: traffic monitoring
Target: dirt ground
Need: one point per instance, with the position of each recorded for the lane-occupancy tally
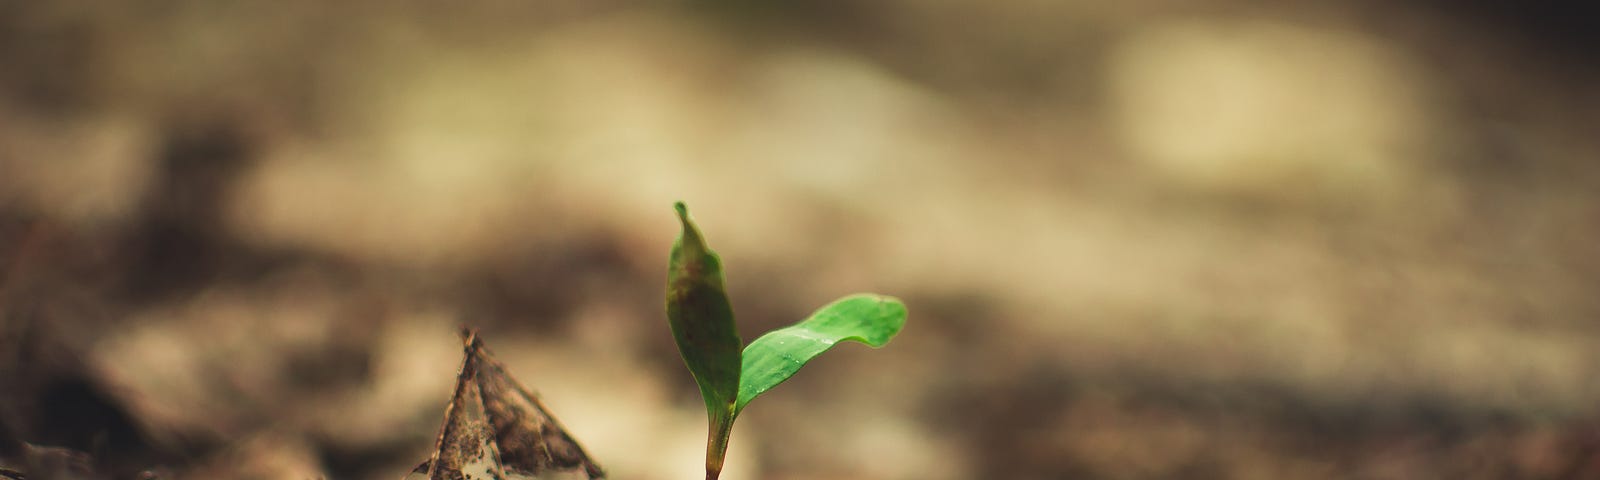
(1213, 239)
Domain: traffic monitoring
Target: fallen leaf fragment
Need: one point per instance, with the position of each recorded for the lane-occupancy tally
(494, 427)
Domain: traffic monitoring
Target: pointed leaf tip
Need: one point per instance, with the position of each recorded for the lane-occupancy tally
(690, 250)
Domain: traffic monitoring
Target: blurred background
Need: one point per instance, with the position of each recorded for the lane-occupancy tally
(1212, 239)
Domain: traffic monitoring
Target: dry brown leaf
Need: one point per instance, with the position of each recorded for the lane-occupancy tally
(494, 426)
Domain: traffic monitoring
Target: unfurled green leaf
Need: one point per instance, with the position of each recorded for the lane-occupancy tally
(773, 358)
(702, 323)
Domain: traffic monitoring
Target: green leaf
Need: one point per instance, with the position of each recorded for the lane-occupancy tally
(776, 356)
(702, 323)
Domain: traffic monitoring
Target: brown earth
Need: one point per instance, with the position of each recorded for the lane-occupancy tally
(1138, 240)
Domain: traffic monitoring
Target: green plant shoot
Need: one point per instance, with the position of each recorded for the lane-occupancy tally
(702, 323)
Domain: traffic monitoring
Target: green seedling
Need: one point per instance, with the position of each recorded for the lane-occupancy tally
(702, 323)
